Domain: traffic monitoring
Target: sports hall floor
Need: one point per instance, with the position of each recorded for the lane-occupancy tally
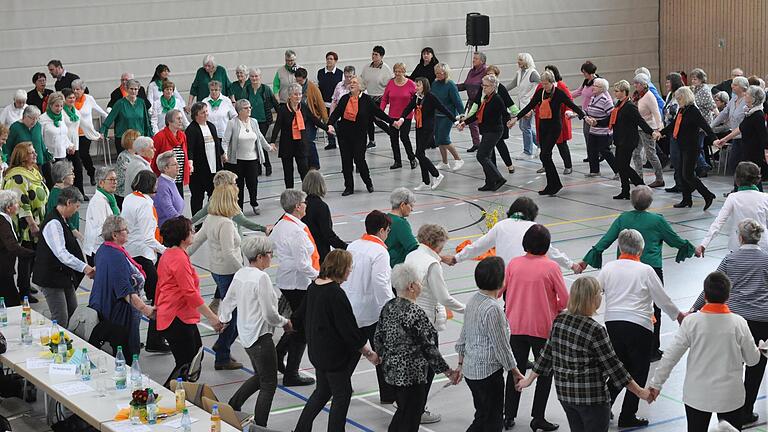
(577, 217)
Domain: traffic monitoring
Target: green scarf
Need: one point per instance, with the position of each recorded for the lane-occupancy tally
(516, 216)
(215, 103)
(111, 200)
(71, 113)
(55, 117)
(169, 104)
(159, 84)
(751, 187)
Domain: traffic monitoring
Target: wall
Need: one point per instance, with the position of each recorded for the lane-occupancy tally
(99, 39)
(715, 35)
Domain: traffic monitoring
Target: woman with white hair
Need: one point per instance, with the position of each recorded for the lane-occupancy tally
(400, 240)
(130, 112)
(407, 343)
(649, 111)
(221, 110)
(238, 89)
(549, 101)
(138, 158)
(169, 202)
(87, 108)
(173, 139)
(631, 289)
(599, 138)
(448, 94)
(526, 80)
(169, 100)
(13, 111)
(103, 205)
(63, 177)
(209, 72)
(721, 101)
(55, 132)
(733, 115)
(10, 247)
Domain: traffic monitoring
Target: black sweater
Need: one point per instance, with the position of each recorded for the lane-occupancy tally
(754, 137)
(366, 111)
(495, 116)
(688, 134)
(318, 219)
(427, 71)
(288, 147)
(556, 99)
(196, 148)
(429, 105)
(628, 120)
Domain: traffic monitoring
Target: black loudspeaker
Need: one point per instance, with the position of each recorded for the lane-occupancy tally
(478, 29)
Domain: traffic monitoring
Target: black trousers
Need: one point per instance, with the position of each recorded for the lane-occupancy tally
(247, 175)
(632, 343)
(85, 156)
(425, 139)
(657, 314)
(688, 158)
(587, 418)
(293, 343)
(626, 173)
(383, 126)
(118, 145)
(397, 135)
(153, 336)
(503, 150)
(386, 391)
(599, 145)
(24, 270)
(698, 421)
(548, 135)
(301, 166)
(8, 289)
(352, 148)
(753, 376)
(77, 164)
(565, 154)
(200, 184)
(264, 128)
(330, 384)
(488, 398)
(521, 346)
(484, 151)
(185, 342)
(410, 406)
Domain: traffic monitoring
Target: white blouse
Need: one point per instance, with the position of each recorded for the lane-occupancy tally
(86, 117)
(11, 114)
(158, 116)
(221, 115)
(56, 139)
(73, 129)
(154, 93)
(246, 148)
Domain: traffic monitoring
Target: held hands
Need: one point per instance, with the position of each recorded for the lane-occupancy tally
(224, 158)
(680, 317)
(590, 121)
(288, 327)
(372, 357)
(699, 251)
(89, 271)
(652, 395)
(454, 375)
(272, 148)
(331, 130)
(571, 114)
(524, 383)
(718, 143)
(149, 312)
(448, 259)
(578, 267)
(656, 135)
(399, 122)
(460, 126)
(191, 166)
(217, 325)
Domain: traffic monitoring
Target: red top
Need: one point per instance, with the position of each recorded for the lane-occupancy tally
(164, 141)
(565, 133)
(398, 97)
(178, 289)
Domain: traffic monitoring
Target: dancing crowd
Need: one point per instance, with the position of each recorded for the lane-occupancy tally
(135, 243)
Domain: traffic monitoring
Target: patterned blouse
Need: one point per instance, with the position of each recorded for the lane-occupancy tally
(120, 166)
(407, 343)
(703, 97)
(31, 187)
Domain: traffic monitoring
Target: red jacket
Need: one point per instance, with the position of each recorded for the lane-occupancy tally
(565, 134)
(164, 141)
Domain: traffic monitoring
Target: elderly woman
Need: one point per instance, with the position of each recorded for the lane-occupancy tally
(631, 289)
(13, 111)
(71, 117)
(102, 205)
(210, 72)
(721, 101)
(205, 152)
(139, 159)
(407, 344)
(169, 100)
(649, 111)
(535, 293)
(549, 101)
(492, 117)
(224, 260)
(251, 302)
(38, 96)
(397, 94)
(238, 88)
(143, 244)
(685, 130)
(400, 240)
(299, 262)
(263, 101)
(124, 159)
(225, 182)
(292, 124)
(10, 247)
(178, 302)
(129, 112)
(673, 82)
(59, 264)
(168, 200)
(579, 354)
(746, 202)
(655, 231)
(353, 113)
(746, 267)
(484, 353)
(28, 129)
(599, 139)
(526, 80)
(565, 119)
(63, 177)
(733, 115)
(55, 132)
(706, 104)
(473, 86)
(117, 286)
(334, 342)
(23, 177)
(447, 93)
(244, 147)
(221, 108)
(318, 215)
(173, 139)
(87, 107)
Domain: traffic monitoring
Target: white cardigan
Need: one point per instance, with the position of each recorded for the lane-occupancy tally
(86, 117)
(434, 297)
(56, 139)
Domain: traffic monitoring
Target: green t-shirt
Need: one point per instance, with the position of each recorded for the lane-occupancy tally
(128, 116)
(238, 92)
(200, 84)
(400, 241)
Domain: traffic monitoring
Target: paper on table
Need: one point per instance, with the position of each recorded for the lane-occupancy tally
(126, 426)
(176, 423)
(38, 363)
(72, 388)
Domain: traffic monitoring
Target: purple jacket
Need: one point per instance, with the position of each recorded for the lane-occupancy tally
(168, 202)
(473, 83)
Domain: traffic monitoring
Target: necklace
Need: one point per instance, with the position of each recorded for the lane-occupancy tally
(247, 125)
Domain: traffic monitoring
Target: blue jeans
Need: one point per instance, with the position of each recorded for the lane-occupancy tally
(228, 336)
(529, 135)
(701, 162)
(674, 155)
(313, 160)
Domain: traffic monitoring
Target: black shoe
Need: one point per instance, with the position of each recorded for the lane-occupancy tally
(93, 181)
(751, 418)
(267, 170)
(32, 299)
(509, 424)
(634, 421)
(498, 184)
(371, 144)
(396, 165)
(33, 290)
(256, 210)
(683, 204)
(656, 355)
(708, 200)
(673, 189)
(369, 187)
(621, 196)
(485, 188)
(472, 149)
(347, 192)
(86, 198)
(158, 347)
(297, 381)
(543, 425)
(585, 160)
(329, 147)
(550, 191)
(413, 163)
(281, 360)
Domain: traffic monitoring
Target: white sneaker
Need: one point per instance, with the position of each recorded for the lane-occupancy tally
(436, 181)
(457, 164)
(442, 166)
(524, 156)
(422, 187)
(429, 418)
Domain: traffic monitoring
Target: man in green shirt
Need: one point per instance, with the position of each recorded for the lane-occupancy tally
(209, 72)
(400, 241)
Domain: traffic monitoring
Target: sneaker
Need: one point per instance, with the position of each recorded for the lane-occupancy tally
(436, 181)
(457, 165)
(429, 418)
(524, 156)
(442, 166)
(567, 171)
(422, 187)
(541, 170)
(214, 305)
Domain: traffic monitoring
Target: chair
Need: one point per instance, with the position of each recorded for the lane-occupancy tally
(236, 419)
(195, 392)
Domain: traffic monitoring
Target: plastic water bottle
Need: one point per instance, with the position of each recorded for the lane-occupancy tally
(120, 372)
(215, 419)
(26, 335)
(85, 366)
(27, 309)
(181, 395)
(3, 313)
(151, 408)
(186, 421)
(61, 351)
(136, 374)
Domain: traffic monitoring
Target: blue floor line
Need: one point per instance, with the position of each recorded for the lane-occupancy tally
(671, 420)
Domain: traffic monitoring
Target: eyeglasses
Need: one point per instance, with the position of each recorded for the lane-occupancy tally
(111, 179)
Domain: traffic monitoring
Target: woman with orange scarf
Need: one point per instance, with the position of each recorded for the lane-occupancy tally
(87, 108)
(172, 138)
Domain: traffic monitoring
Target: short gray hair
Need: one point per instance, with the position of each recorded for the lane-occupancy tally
(750, 231)
(757, 94)
(548, 76)
(214, 84)
(641, 197)
(254, 71)
(79, 83)
(133, 82)
(699, 74)
(295, 88)
(432, 235)
(631, 242)
(527, 58)
(290, 53)
(642, 70)
(403, 275)
(314, 184)
(69, 195)
(170, 115)
(741, 82)
(642, 79)
(142, 143)
(349, 69)
(723, 97)
(483, 57)
(103, 172)
(164, 159)
(290, 199)
(242, 68)
(209, 59)
(685, 96)
(401, 195)
(492, 80)
(445, 68)
(61, 169)
(241, 104)
(31, 111)
(255, 246)
(602, 83)
(8, 197)
(112, 224)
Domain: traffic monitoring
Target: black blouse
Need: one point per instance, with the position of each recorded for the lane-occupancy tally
(318, 219)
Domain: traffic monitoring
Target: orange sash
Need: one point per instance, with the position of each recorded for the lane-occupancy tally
(716, 308)
(79, 105)
(481, 111)
(315, 253)
(372, 238)
(615, 114)
(629, 257)
(298, 124)
(123, 91)
(545, 110)
(158, 237)
(350, 111)
(678, 120)
(418, 116)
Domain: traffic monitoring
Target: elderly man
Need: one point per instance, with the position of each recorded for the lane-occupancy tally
(13, 111)
(327, 79)
(122, 90)
(298, 265)
(726, 85)
(284, 76)
(29, 129)
(631, 289)
(63, 78)
(375, 76)
(733, 114)
(209, 72)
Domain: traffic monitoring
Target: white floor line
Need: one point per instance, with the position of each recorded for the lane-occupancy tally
(392, 413)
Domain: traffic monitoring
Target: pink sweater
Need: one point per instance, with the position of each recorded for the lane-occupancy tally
(398, 97)
(535, 294)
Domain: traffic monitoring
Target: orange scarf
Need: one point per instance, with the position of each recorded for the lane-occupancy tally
(79, 105)
(418, 116)
(678, 120)
(481, 111)
(545, 110)
(716, 308)
(298, 124)
(350, 111)
(158, 237)
(123, 91)
(615, 114)
(372, 238)
(630, 257)
(315, 253)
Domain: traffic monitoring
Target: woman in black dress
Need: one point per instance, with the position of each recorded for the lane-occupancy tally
(205, 151)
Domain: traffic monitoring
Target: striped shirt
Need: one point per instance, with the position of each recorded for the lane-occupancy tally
(747, 267)
(484, 339)
(582, 358)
